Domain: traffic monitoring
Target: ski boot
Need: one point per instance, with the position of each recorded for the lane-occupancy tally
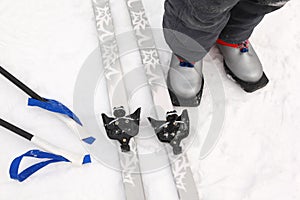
(173, 130)
(122, 127)
(185, 82)
(243, 65)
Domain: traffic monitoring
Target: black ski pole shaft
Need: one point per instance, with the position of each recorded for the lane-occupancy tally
(20, 85)
(16, 130)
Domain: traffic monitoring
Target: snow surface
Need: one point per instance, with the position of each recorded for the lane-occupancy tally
(45, 43)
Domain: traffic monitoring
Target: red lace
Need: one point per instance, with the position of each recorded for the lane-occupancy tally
(243, 46)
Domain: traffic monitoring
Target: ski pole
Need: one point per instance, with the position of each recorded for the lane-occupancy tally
(37, 100)
(70, 156)
(21, 85)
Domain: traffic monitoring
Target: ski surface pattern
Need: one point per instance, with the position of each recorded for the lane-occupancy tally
(183, 176)
(129, 161)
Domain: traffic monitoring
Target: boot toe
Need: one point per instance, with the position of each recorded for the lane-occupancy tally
(183, 86)
(249, 74)
(245, 66)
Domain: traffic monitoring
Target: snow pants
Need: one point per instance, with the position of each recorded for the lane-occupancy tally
(191, 27)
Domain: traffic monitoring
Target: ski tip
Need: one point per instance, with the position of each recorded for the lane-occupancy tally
(87, 159)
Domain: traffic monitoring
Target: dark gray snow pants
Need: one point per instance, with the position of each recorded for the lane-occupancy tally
(191, 27)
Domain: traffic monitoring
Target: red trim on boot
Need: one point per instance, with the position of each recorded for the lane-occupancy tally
(221, 42)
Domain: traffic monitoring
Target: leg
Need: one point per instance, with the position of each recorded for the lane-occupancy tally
(245, 16)
(191, 27)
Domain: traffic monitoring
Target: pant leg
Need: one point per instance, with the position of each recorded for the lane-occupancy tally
(191, 27)
(245, 16)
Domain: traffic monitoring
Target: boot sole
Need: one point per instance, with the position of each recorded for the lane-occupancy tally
(247, 86)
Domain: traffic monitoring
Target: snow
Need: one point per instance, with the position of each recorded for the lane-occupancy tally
(45, 44)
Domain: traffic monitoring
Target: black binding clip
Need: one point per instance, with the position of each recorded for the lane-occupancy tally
(173, 130)
(122, 127)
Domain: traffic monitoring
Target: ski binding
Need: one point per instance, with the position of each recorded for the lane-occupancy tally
(121, 127)
(173, 130)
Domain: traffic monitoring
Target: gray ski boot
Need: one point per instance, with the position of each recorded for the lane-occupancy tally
(243, 65)
(185, 82)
